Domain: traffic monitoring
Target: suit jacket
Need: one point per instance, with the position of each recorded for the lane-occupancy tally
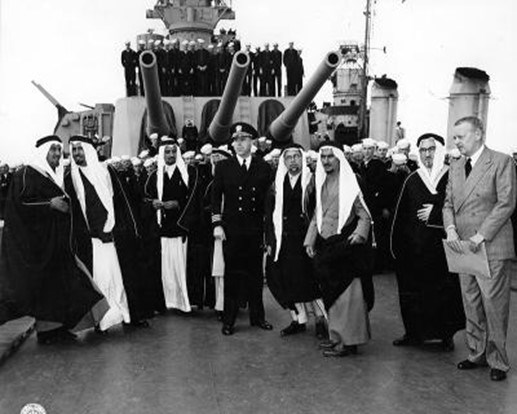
(238, 199)
(484, 202)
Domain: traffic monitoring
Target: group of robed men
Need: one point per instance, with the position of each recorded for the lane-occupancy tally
(316, 230)
(193, 69)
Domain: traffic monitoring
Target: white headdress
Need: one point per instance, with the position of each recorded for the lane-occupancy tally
(39, 161)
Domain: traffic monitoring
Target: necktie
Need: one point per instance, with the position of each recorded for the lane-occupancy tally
(243, 167)
(468, 167)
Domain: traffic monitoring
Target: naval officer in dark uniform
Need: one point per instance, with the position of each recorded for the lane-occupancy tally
(238, 197)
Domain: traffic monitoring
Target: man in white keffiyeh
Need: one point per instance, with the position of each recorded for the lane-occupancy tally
(290, 276)
(338, 239)
(429, 296)
(171, 190)
(92, 187)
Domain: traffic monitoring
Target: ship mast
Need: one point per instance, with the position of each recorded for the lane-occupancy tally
(362, 130)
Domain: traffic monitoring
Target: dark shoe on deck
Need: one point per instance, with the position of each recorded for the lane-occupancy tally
(341, 352)
(321, 330)
(407, 341)
(227, 330)
(265, 325)
(497, 375)
(293, 329)
(467, 365)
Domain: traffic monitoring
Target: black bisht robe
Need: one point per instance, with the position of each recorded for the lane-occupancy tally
(430, 296)
(183, 223)
(128, 244)
(290, 279)
(40, 275)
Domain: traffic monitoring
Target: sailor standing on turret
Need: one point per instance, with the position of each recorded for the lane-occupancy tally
(129, 60)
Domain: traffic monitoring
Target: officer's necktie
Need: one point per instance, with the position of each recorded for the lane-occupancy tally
(243, 167)
(468, 167)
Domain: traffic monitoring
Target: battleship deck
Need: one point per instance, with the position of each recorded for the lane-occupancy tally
(184, 365)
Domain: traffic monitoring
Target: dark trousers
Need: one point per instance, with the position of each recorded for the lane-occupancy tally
(243, 277)
(129, 74)
(278, 79)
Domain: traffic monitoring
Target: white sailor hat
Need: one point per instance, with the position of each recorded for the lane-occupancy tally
(185, 42)
(382, 145)
(175, 40)
(148, 162)
(157, 42)
(262, 139)
(253, 149)
(267, 157)
(206, 149)
(153, 136)
(347, 149)
(398, 159)
(403, 143)
(144, 154)
(210, 46)
(192, 42)
(166, 41)
(180, 141)
(136, 161)
(115, 159)
(275, 152)
(141, 42)
(150, 41)
(200, 41)
(455, 153)
(65, 162)
(313, 155)
(199, 157)
(189, 154)
(357, 147)
(125, 157)
(368, 143)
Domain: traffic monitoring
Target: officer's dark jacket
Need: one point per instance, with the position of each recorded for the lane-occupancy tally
(238, 198)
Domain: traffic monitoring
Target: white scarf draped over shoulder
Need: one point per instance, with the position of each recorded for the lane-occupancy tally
(281, 172)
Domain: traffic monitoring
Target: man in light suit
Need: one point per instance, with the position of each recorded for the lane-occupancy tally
(478, 205)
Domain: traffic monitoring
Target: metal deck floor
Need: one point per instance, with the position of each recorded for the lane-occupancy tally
(184, 365)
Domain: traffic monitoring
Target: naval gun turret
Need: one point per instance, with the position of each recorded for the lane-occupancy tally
(222, 121)
(282, 127)
(156, 120)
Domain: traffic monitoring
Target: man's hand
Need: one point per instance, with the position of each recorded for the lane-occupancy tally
(424, 213)
(59, 204)
(453, 240)
(356, 239)
(170, 205)
(310, 251)
(219, 233)
(475, 242)
(269, 250)
(157, 204)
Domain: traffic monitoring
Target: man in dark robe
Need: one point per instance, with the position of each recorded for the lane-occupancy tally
(290, 276)
(171, 220)
(373, 172)
(129, 60)
(339, 240)
(40, 274)
(430, 297)
(238, 196)
(106, 235)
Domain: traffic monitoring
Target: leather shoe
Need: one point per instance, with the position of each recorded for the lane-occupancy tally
(293, 329)
(407, 341)
(466, 365)
(327, 344)
(263, 325)
(227, 330)
(497, 375)
(341, 352)
(321, 330)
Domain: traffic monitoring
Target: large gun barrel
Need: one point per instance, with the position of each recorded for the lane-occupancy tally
(157, 122)
(222, 122)
(282, 127)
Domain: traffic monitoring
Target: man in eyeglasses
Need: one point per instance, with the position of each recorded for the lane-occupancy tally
(430, 297)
